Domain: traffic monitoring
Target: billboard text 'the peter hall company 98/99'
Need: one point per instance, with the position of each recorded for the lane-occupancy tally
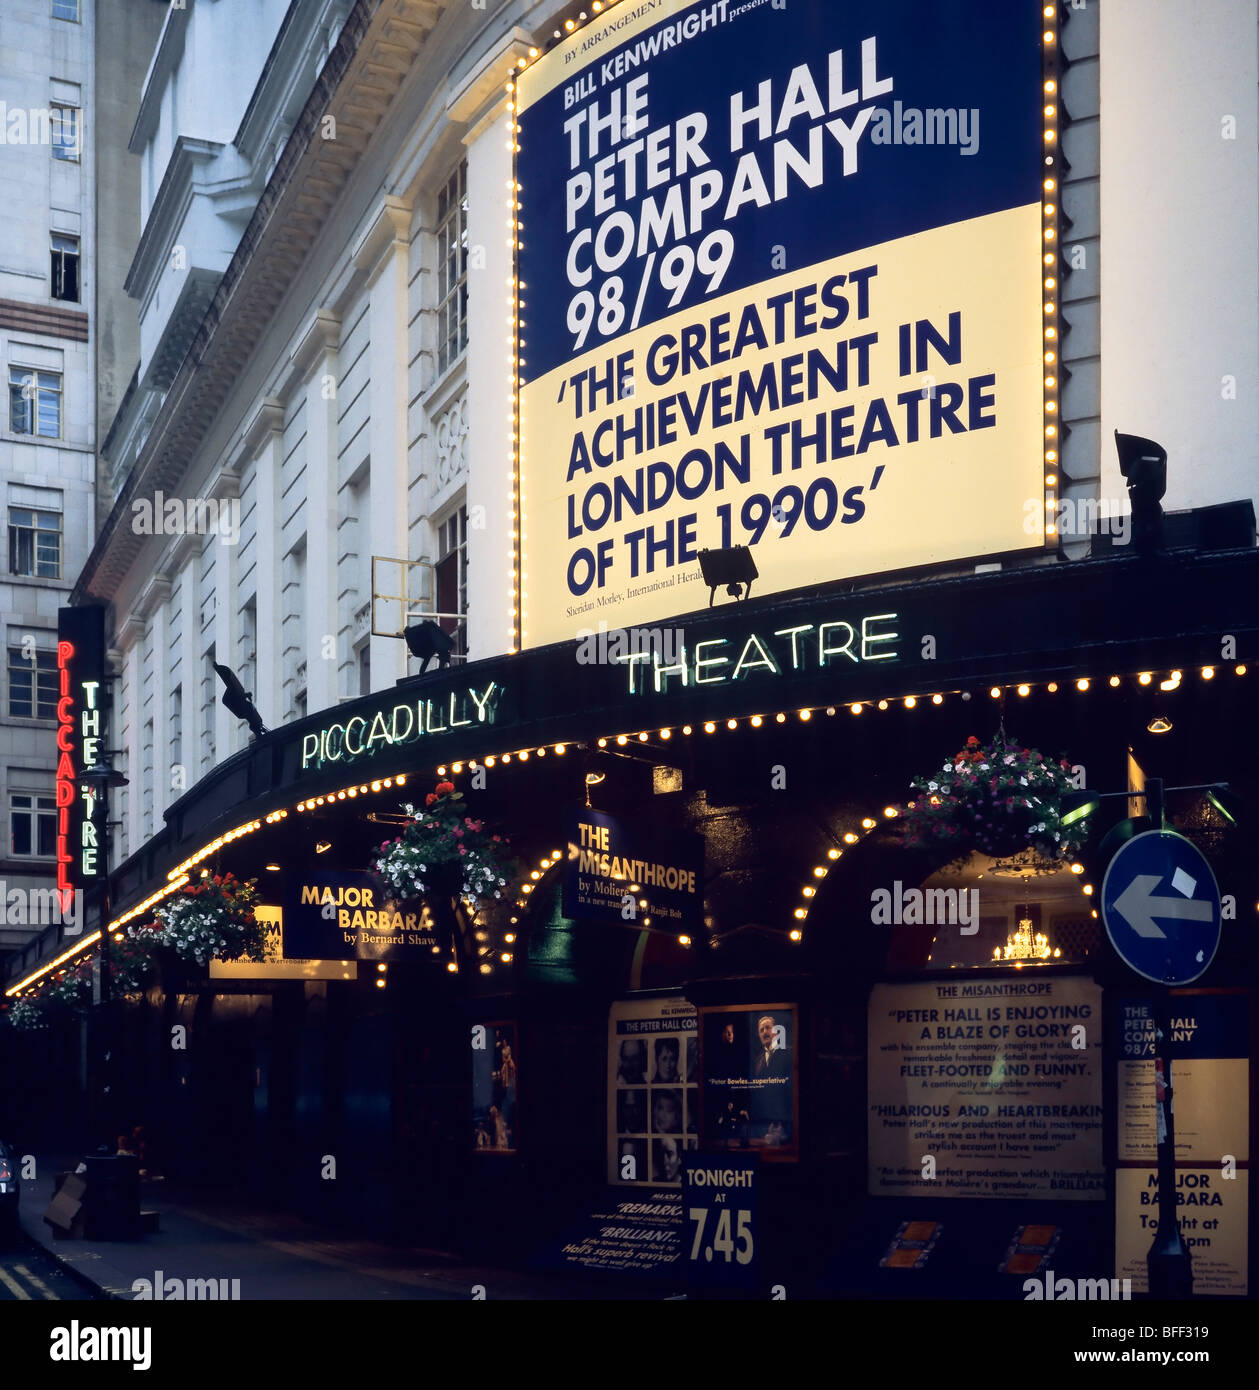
(779, 285)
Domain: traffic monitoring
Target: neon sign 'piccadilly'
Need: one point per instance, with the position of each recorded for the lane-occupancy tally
(360, 737)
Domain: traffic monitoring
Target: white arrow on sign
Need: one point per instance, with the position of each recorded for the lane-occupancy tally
(1139, 907)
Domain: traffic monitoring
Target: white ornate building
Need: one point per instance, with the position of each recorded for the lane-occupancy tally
(325, 231)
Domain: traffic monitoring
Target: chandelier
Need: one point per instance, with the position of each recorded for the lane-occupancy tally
(1026, 944)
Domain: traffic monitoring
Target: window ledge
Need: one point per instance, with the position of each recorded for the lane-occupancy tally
(446, 387)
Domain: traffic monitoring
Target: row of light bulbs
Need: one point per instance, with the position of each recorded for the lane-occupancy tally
(1050, 286)
(178, 876)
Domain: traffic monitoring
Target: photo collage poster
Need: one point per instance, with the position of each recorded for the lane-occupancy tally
(653, 1093)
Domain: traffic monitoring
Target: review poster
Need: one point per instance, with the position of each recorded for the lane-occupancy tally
(1212, 1212)
(749, 1079)
(779, 282)
(997, 1082)
(653, 1096)
(1210, 1055)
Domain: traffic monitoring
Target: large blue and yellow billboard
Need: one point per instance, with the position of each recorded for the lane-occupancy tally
(782, 282)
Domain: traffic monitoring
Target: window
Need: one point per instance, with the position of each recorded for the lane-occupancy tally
(365, 669)
(146, 777)
(64, 125)
(248, 643)
(32, 684)
(34, 543)
(452, 576)
(66, 9)
(176, 730)
(35, 402)
(65, 267)
(32, 825)
(452, 268)
(208, 678)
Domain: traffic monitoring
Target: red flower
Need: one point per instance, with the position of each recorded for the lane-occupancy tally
(444, 787)
(430, 798)
(972, 742)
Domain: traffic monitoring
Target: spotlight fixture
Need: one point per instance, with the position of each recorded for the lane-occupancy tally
(1160, 724)
(322, 846)
(426, 640)
(734, 567)
(1143, 464)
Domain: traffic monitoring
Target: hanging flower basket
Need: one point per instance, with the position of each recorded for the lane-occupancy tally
(211, 919)
(443, 851)
(998, 798)
(133, 960)
(26, 1015)
(71, 987)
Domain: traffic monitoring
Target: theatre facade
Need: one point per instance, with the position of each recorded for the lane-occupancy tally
(787, 547)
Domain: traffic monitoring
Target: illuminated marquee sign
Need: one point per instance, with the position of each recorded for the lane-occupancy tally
(774, 651)
(786, 279)
(81, 705)
(362, 737)
(335, 915)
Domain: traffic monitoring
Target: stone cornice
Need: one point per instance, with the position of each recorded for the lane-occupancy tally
(178, 553)
(131, 633)
(167, 208)
(225, 485)
(323, 335)
(389, 230)
(169, 50)
(267, 419)
(477, 97)
(155, 592)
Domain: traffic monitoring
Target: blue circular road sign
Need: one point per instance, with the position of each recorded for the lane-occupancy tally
(1161, 906)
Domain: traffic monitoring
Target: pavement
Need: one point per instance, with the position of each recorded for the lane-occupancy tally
(276, 1255)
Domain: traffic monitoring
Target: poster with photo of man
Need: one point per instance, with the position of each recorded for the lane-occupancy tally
(748, 1078)
(495, 1076)
(653, 1113)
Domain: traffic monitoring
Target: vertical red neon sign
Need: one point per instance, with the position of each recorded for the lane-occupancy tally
(65, 771)
(80, 730)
